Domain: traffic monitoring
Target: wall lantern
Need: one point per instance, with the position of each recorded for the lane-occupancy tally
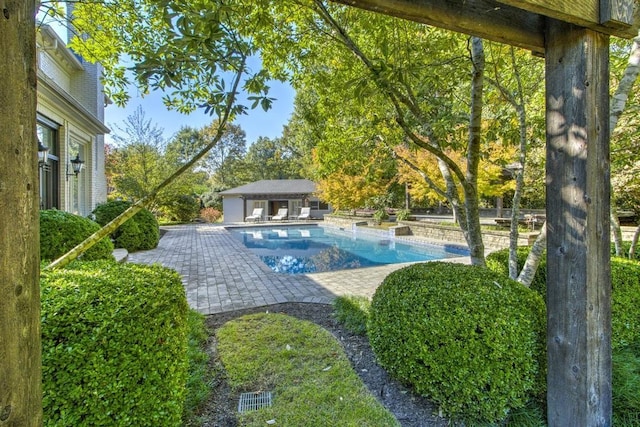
(76, 166)
(43, 154)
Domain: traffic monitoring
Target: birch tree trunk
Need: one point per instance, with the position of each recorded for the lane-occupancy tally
(517, 195)
(473, 233)
(634, 243)
(20, 371)
(517, 101)
(618, 103)
(520, 107)
(533, 259)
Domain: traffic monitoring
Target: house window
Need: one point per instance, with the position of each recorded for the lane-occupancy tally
(294, 207)
(260, 204)
(47, 132)
(317, 205)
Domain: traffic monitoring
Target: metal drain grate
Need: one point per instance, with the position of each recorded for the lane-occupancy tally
(253, 401)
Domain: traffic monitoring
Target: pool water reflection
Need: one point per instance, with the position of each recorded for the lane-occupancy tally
(313, 249)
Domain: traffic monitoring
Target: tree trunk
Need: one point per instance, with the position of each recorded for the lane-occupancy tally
(634, 243)
(20, 372)
(517, 195)
(521, 111)
(473, 233)
(618, 103)
(621, 95)
(616, 231)
(533, 259)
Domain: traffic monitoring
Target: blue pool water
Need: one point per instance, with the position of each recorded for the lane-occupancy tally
(312, 249)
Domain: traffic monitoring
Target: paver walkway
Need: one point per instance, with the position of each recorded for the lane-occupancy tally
(220, 274)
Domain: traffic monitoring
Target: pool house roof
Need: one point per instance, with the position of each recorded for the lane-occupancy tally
(285, 188)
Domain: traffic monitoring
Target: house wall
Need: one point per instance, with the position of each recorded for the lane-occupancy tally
(232, 208)
(71, 100)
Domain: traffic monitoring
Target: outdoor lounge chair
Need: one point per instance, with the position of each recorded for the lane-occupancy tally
(255, 216)
(305, 213)
(281, 215)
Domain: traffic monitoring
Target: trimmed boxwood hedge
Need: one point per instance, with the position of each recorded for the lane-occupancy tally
(625, 303)
(625, 295)
(61, 231)
(468, 338)
(625, 327)
(114, 345)
(141, 232)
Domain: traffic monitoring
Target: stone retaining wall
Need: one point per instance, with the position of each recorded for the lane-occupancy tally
(492, 239)
(344, 222)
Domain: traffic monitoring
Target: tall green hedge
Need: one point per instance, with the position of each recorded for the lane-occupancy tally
(470, 339)
(625, 295)
(625, 328)
(61, 231)
(141, 232)
(625, 303)
(114, 343)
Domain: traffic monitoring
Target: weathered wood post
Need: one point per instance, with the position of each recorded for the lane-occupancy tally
(20, 378)
(578, 269)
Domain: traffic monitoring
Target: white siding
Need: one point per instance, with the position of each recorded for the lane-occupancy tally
(70, 94)
(233, 209)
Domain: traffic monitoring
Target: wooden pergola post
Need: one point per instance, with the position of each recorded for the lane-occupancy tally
(578, 239)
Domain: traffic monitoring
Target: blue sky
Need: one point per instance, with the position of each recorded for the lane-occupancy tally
(257, 123)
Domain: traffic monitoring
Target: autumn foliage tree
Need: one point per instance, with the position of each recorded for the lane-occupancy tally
(419, 169)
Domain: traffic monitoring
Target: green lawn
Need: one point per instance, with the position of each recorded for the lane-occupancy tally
(304, 366)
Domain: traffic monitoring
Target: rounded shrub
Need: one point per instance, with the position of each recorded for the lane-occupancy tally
(114, 345)
(210, 214)
(626, 386)
(141, 232)
(470, 339)
(61, 231)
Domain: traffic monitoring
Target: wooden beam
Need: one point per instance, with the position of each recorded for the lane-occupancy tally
(578, 266)
(617, 14)
(482, 18)
(570, 11)
(517, 22)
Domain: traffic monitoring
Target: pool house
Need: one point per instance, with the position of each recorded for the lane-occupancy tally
(271, 196)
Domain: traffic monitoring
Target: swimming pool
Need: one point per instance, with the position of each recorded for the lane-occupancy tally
(313, 249)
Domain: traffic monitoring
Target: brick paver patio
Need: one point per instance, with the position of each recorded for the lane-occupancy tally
(220, 274)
